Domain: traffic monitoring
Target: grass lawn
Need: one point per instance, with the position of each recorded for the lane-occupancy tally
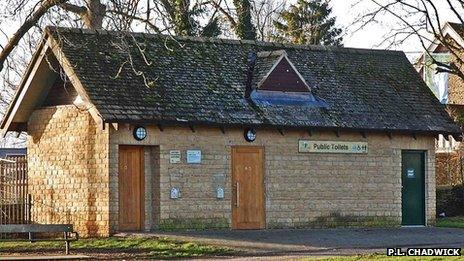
(457, 222)
(134, 247)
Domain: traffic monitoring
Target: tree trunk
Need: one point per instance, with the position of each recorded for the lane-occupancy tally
(91, 15)
(94, 14)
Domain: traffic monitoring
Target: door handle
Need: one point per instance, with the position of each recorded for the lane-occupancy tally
(237, 194)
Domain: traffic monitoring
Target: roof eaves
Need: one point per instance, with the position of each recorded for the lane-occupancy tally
(457, 135)
(20, 88)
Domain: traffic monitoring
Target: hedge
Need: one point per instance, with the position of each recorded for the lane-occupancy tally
(450, 200)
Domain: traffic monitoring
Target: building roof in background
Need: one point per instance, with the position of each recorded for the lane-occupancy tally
(203, 81)
(453, 30)
(458, 28)
(4, 152)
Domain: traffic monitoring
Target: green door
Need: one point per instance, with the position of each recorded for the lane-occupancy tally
(413, 188)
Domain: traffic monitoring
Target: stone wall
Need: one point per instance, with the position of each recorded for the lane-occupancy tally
(302, 190)
(73, 176)
(456, 85)
(68, 169)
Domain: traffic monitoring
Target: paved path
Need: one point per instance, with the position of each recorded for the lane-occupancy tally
(322, 241)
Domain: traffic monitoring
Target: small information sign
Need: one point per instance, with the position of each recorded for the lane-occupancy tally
(193, 156)
(174, 156)
(411, 173)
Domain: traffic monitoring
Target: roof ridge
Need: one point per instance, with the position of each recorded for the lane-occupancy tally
(454, 23)
(276, 53)
(229, 41)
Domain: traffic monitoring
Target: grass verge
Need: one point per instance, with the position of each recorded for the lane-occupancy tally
(121, 247)
(456, 222)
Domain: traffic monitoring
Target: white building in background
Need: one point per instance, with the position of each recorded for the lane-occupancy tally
(448, 88)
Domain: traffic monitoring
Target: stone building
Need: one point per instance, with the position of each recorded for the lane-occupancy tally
(136, 132)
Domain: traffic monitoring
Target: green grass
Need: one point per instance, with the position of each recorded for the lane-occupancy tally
(385, 258)
(146, 247)
(457, 222)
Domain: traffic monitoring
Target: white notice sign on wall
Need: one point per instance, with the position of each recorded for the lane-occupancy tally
(174, 156)
(193, 156)
(332, 147)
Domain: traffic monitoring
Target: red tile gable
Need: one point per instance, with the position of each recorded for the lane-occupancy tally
(284, 77)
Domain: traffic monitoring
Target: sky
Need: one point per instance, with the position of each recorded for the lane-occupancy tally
(372, 35)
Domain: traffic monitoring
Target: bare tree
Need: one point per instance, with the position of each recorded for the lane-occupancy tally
(264, 13)
(173, 17)
(420, 19)
(179, 16)
(31, 20)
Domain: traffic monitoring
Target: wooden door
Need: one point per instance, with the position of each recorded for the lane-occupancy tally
(248, 187)
(131, 188)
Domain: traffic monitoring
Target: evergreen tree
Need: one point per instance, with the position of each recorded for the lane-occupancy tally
(244, 27)
(308, 22)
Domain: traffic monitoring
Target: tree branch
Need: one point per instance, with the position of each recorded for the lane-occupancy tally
(28, 24)
(224, 12)
(140, 19)
(80, 10)
(458, 15)
(169, 9)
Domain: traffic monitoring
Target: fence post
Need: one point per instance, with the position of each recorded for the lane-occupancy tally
(29, 208)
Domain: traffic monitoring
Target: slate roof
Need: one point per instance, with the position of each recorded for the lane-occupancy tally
(202, 81)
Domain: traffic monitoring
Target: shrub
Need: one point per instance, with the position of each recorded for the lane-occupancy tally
(450, 200)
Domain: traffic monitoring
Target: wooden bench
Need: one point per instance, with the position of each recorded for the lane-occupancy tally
(68, 232)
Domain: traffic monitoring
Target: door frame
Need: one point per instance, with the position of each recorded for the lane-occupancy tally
(424, 184)
(263, 158)
(142, 185)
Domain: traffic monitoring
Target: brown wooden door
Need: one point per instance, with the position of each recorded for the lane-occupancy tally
(248, 187)
(131, 190)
